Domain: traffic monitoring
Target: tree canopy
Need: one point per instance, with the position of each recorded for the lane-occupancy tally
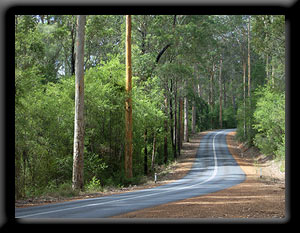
(183, 66)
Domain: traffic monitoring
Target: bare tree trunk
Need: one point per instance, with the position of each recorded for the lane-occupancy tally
(197, 86)
(233, 102)
(180, 125)
(181, 122)
(211, 95)
(179, 128)
(186, 128)
(77, 176)
(220, 86)
(193, 118)
(175, 120)
(272, 75)
(249, 76)
(199, 90)
(153, 152)
(166, 130)
(145, 153)
(244, 84)
(128, 102)
(172, 133)
(224, 93)
(73, 49)
(267, 67)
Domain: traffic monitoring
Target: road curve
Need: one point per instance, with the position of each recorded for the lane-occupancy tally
(214, 169)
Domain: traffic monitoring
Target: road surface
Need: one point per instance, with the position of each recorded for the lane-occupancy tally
(214, 169)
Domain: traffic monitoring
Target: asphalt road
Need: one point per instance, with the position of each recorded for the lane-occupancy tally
(214, 169)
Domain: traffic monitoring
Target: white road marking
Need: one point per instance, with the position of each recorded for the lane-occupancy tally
(138, 196)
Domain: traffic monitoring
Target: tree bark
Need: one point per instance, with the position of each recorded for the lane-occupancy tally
(267, 67)
(153, 152)
(180, 126)
(193, 118)
(175, 119)
(77, 176)
(166, 130)
(193, 102)
(211, 95)
(145, 153)
(181, 121)
(249, 75)
(211, 85)
(224, 93)
(73, 50)
(172, 133)
(220, 99)
(244, 84)
(128, 102)
(272, 75)
(161, 52)
(186, 128)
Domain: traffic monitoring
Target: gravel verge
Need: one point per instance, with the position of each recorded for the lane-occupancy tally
(261, 195)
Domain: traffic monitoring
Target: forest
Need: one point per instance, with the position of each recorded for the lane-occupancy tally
(190, 73)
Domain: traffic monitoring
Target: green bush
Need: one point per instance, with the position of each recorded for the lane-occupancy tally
(65, 190)
(94, 185)
(45, 126)
(269, 121)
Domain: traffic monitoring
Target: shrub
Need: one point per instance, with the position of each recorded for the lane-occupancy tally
(65, 190)
(269, 118)
(94, 185)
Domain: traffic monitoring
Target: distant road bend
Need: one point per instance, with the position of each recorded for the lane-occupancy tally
(214, 169)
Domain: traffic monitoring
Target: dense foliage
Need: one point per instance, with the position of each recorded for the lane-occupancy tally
(200, 58)
(269, 121)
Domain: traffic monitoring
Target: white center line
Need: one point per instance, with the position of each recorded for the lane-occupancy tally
(139, 196)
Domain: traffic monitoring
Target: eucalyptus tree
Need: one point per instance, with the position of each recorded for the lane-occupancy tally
(77, 177)
(103, 38)
(128, 102)
(269, 42)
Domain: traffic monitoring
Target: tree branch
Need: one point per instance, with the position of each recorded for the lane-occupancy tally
(161, 52)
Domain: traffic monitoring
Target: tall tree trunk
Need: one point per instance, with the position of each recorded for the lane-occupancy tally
(110, 132)
(197, 91)
(193, 118)
(73, 49)
(211, 95)
(220, 100)
(233, 102)
(232, 84)
(186, 128)
(145, 153)
(181, 121)
(166, 130)
(171, 120)
(244, 84)
(175, 120)
(128, 102)
(180, 126)
(249, 76)
(224, 93)
(272, 75)
(267, 67)
(197, 84)
(77, 176)
(153, 152)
